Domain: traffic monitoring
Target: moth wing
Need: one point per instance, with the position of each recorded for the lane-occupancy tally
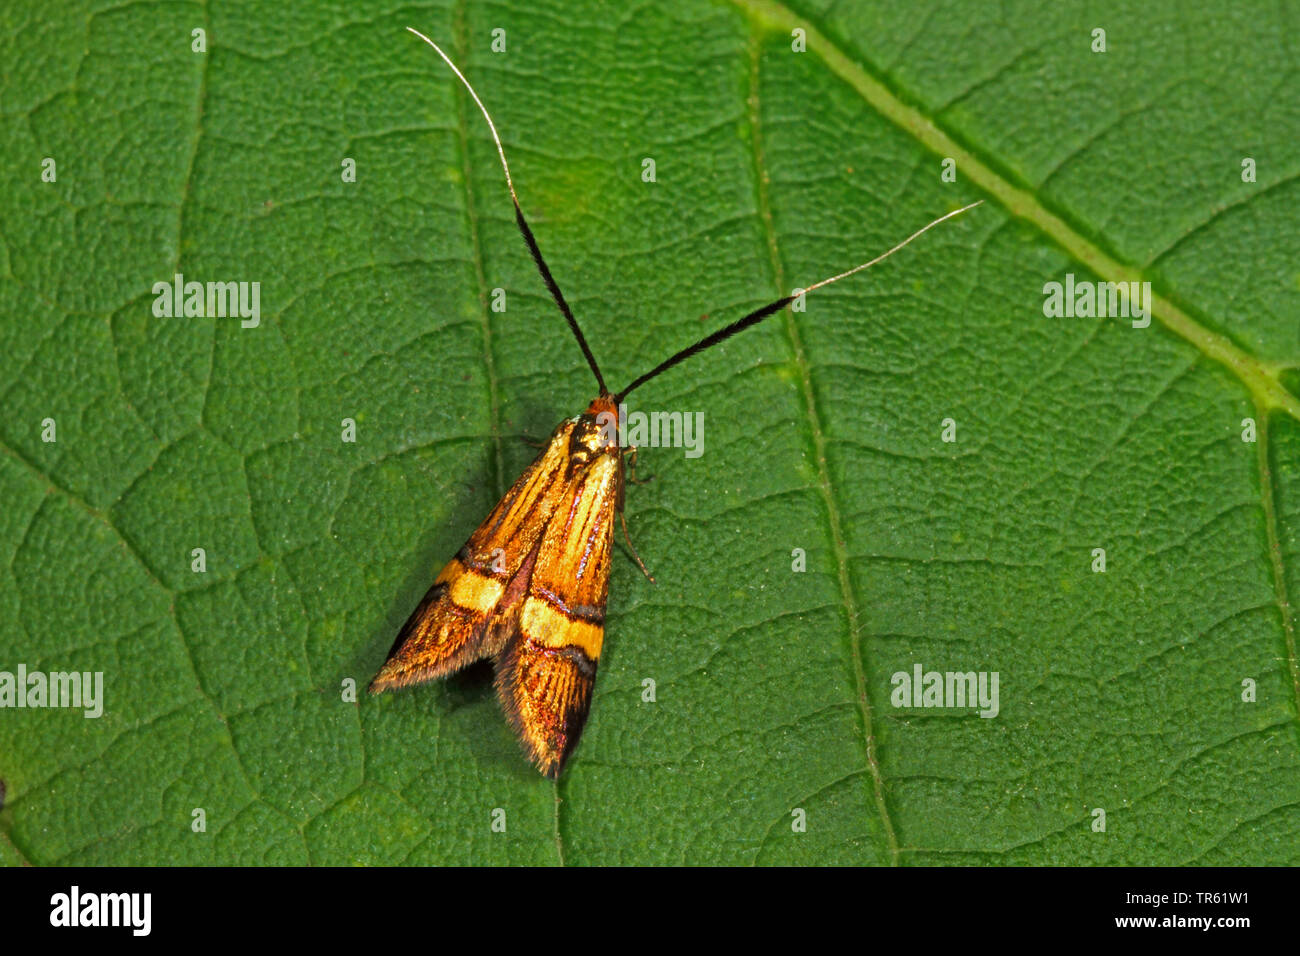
(546, 671)
(468, 613)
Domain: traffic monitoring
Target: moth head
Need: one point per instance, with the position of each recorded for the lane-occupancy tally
(597, 429)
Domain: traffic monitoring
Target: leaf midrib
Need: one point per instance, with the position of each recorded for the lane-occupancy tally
(1261, 378)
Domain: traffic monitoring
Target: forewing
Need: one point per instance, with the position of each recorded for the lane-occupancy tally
(470, 610)
(547, 668)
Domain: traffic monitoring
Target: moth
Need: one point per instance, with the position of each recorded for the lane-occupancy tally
(528, 589)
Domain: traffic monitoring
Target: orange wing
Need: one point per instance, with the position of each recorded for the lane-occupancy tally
(547, 668)
(466, 615)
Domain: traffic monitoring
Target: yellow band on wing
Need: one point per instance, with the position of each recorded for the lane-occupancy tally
(471, 589)
(550, 627)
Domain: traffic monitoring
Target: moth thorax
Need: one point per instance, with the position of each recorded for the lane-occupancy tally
(597, 430)
(593, 437)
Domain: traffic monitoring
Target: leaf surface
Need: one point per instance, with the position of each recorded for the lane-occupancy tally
(1120, 691)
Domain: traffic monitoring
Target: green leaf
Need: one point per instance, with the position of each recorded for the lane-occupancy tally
(1119, 691)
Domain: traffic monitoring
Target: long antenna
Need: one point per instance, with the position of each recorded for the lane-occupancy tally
(527, 233)
(758, 315)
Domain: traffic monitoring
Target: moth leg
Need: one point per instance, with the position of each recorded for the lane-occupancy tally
(631, 467)
(628, 538)
(623, 478)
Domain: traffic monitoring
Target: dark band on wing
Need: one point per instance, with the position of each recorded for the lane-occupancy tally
(575, 655)
(579, 612)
